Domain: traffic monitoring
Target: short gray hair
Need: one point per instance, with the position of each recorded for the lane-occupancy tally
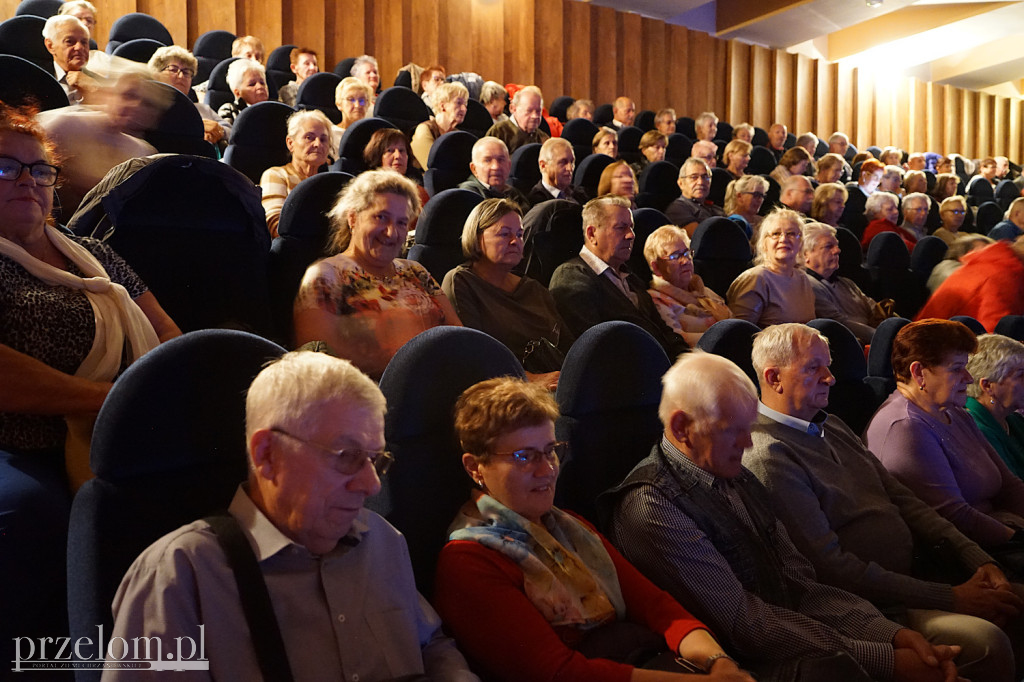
(361, 61)
(61, 22)
(492, 90)
(359, 195)
(700, 384)
(238, 69)
(781, 345)
(874, 203)
(71, 5)
(282, 394)
(917, 197)
(690, 162)
(350, 83)
(596, 210)
(528, 90)
(551, 145)
(483, 215)
(705, 116)
(489, 139)
(996, 359)
(165, 55)
(814, 232)
(448, 92)
(296, 120)
(658, 242)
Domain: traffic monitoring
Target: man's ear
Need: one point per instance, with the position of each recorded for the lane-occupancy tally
(590, 234)
(264, 457)
(679, 423)
(771, 379)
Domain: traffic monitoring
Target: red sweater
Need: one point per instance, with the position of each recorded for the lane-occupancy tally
(880, 225)
(988, 286)
(480, 597)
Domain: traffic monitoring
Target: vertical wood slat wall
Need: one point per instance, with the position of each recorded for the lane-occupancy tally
(582, 50)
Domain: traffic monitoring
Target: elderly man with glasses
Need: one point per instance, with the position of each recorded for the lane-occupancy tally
(693, 206)
(337, 576)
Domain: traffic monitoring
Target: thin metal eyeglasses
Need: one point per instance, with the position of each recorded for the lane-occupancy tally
(677, 255)
(175, 69)
(348, 461)
(531, 457)
(44, 174)
(697, 176)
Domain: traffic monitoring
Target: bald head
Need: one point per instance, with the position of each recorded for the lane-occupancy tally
(624, 111)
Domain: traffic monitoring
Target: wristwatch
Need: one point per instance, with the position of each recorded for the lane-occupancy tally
(714, 657)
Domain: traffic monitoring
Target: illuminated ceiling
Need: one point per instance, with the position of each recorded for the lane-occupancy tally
(972, 44)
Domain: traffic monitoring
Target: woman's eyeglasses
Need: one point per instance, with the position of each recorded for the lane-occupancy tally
(44, 174)
(531, 457)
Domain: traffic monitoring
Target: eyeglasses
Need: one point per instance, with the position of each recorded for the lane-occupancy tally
(531, 457)
(756, 195)
(697, 176)
(954, 211)
(348, 461)
(175, 69)
(795, 236)
(678, 255)
(361, 101)
(44, 174)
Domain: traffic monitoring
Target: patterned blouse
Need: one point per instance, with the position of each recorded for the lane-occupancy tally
(54, 325)
(375, 315)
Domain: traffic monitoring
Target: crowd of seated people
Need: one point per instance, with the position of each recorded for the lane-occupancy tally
(365, 301)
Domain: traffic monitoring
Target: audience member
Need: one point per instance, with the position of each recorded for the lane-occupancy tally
(557, 163)
(706, 126)
(523, 125)
(945, 186)
(73, 315)
(665, 121)
(743, 198)
(986, 173)
(596, 286)
(94, 140)
(314, 428)
(854, 216)
(735, 158)
(450, 106)
(996, 396)
(248, 82)
(830, 168)
(915, 215)
(835, 297)
(914, 182)
(248, 47)
(490, 167)
(83, 10)
(706, 152)
(693, 207)
(365, 69)
(519, 571)
(67, 39)
(302, 61)
(494, 98)
(744, 131)
(891, 180)
(987, 286)
(685, 304)
(364, 302)
(808, 141)
(794, 161)
(352, 98)
(927, 440)
(652, 150)
(777, 141)
(701, 526)
(915, 162)
(882, 212)
(388, 149)
(960, 247)
(1002, 166)
(176, 66)
(857, 524)
(838, 143)
(618, 179)
(797, 193)
(432, 77)
(891, 156)
(829, 202)
(309, 142)
(581, 108)
(623, 112)
(1013, 224)
(489, 296)
(774, 290)
(606, 142)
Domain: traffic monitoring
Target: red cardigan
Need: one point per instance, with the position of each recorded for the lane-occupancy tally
(480, 597)
(880, 225)
(989, 285)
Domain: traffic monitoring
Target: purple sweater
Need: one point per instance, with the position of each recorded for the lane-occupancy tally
(951, 466)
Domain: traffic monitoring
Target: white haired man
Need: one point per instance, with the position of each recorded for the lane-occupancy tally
(857, 524)
(557, 163)
(338, 575)
(693, 207)
(490, 168)
(623, 112)
(701, 526)
(596, 286)
(523, 125)
(67, 39)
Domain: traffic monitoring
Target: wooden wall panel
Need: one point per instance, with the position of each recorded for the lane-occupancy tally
(519, 40)
(262, 18)
(825, 104)
(8, 8)
(423, 29)
(629, 81)
(1014, 135)
(549, 31)
(173, 14)
(737, 108)
(983, 128)
(969, 123)
(604, 55)
(387, 43)
(761, 82)
(846, 100)
(578, 52)
(702, 75)
(785, 91)
(346, 36)
(678, 67)
(803, 106)
(655, 71)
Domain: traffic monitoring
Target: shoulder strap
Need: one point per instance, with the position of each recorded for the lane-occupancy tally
(252, 589)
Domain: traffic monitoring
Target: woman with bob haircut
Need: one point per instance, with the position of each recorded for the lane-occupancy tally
(923, 435)
(364, 302)
(489, 296)
(619, 179)
(520, 575)
(996, 396)
(736, 157)
(449, 111)
(829, 202)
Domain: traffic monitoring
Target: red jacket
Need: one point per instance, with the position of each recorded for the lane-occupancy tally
(880, 225)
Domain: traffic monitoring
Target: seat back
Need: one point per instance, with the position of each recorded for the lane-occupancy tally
(850, 398)
(580, 132)
(1006, 191)
(403, 107)
(21, 81)
(38, 8)
(137, 25)
(344, 67)
(354, 141)
(210, 49)
(658, 185)
(762, 161)
(926, 255)
(851, 257)
(629, 144)
(720, 179)
(137, 49)
(217, 91)
(525, 167)
(421, 384)
(403, 79)
(889, 275)
(988, 216)
(760, 137)
(678, 149)
(603, 114)
(724, 131)
(645, 221)
(168, 448)
(560, 107)
(22, 36)
(204, 259)
(1012, 326)
(880, 376)
(302, 237)
(279, 66)
(588, 173)
(317, 92)
(448, 161)
(979, 192)
(438, 245)
(477, 121)
(608, 395)
(258, 139)
(721, 251)
(969, 322)
(553, 234)
(686, 126)
(732, 339)
(180, 127)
